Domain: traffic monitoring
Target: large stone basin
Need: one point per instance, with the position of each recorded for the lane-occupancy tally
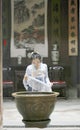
(35, 106)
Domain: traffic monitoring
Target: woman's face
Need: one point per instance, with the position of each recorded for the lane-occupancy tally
(36, 62)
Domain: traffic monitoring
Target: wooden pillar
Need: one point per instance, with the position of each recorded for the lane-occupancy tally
(0, 64)
(79, 49)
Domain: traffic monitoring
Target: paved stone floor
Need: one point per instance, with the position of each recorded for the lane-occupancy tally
(66, 115)
(54, 128)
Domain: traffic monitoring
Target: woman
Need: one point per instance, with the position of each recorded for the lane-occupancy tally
(37, 70)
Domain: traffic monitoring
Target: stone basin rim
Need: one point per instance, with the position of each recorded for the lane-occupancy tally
(34, 94)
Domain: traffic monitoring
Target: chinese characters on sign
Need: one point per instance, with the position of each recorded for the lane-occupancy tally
(73, 29)
(56, 21)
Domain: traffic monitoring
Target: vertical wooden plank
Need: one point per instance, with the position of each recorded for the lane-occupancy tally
(56, 30)
(0, 64)
(56, 21)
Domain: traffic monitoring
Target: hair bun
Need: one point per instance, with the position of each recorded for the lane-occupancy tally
(35, 55)
(34, 52)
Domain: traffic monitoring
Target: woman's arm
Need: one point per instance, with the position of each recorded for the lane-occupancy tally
(25, 79)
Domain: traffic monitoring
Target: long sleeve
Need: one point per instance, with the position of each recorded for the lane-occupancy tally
(27, 73)
(47, 77)
(40, 74)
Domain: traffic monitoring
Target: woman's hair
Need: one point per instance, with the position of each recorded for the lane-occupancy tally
(35, 55)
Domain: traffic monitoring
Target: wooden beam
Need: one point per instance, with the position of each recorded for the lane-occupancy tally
(0, 64)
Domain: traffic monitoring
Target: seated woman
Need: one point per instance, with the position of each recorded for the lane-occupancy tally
(37, 70)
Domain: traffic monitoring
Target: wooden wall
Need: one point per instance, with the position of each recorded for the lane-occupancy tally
(70, 63)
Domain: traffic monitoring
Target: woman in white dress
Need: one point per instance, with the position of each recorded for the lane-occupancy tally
(37, 70)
